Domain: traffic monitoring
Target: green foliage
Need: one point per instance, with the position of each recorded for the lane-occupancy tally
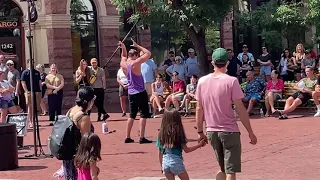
(273, 21)
(212, 37)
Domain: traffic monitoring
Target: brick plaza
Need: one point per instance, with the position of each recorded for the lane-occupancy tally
(286, 150)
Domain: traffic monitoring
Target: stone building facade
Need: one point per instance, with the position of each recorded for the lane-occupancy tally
(52, 40)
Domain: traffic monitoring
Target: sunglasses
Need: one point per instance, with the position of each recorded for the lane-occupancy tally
(174, 75)
(9, 64)
(244, 47)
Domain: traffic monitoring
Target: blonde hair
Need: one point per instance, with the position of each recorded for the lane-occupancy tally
(40, 67)
(302, 48)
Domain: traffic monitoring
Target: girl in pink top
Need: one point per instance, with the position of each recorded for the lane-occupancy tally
(274, 90)
(87, 156)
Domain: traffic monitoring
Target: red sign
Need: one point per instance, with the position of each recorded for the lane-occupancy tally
(9, 24)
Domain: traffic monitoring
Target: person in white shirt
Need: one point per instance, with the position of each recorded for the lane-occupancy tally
(123, 90)
(3, 66)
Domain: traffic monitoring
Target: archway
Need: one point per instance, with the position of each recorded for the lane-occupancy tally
(11, 32)
(84, 31)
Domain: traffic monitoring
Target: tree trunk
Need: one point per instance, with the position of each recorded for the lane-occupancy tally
(198, 39)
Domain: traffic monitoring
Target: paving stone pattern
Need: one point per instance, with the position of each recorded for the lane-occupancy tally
(286, 149)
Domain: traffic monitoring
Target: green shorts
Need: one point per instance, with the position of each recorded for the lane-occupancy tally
(227, 147)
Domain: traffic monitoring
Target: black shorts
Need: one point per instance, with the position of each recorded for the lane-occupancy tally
(16, 100)
(139, 102)
(122, 91)
(304, 97)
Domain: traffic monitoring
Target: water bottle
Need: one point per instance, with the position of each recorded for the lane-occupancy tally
(261, 112)
(104, 128)
(48, 146)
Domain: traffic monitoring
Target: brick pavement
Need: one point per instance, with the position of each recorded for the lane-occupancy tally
(286, 150)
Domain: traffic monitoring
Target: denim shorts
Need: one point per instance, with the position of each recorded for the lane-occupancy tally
(172, 164)
(265, 70)
(5, 104)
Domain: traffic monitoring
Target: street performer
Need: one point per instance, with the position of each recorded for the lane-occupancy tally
(138, 97)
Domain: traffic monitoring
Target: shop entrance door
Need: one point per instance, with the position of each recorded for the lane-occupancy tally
(10, 47)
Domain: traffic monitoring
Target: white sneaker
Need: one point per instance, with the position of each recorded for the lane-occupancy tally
(317, 114)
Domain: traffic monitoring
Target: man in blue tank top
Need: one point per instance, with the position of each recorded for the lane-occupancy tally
(138, 97)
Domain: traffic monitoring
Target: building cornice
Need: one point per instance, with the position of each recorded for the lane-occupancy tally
(54, 21)
(109, 22)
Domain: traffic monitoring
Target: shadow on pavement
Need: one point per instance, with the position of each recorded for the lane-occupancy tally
(30, 168)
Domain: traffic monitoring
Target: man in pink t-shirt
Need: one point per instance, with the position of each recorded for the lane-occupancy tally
(215, 107)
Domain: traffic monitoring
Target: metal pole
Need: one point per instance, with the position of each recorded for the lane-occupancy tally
(31, 64)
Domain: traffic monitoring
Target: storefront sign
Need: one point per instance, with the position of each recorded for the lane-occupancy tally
(9, 24)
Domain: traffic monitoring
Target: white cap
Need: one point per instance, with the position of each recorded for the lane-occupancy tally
(9, 62)
(191, 50)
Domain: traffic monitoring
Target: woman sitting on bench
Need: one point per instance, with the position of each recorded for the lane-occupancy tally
(158, 88)
(274, 90)
(178, 89)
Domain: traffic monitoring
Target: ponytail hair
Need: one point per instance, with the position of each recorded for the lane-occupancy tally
(84, 96)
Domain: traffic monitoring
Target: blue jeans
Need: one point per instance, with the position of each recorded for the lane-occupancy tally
(172, 164)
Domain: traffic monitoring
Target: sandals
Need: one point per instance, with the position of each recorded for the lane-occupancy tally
(281, 116)
(43, 114)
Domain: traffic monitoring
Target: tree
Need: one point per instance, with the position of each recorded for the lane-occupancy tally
(194, 16)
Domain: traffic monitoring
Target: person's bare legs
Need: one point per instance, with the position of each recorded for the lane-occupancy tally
(252, 101)
(185, 97)
(230, 176)
(184, 176)
(154, 107)
(30, 113)
(221, 175)
(271, 97)
(176, 102)
(315, 96)
(268, 107)
(4, 113)
(123, 103)
(170, 177)
(129, 127)
(168, 102)
(293, 106)
(158, 101)
(43, 107)
(143, 122)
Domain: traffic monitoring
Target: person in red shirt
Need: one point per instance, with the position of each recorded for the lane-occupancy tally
(274, 90)
(178, 89)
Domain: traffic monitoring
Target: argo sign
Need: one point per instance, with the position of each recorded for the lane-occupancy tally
(9, 24)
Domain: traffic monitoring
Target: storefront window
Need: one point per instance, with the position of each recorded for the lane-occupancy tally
(84, 31)
(10, 32)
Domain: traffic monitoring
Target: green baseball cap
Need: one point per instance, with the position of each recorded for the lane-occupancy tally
(220, 56)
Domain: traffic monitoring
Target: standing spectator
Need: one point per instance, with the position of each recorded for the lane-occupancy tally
(192, 65)
(54, 82)
(83, 74)
(308, 61)
(167, 63)
(98, 83)
(3, 66)
(26, 84)
(298, 55)
(216, 93)
(287, 66)
(6, 100)
(245, 66)
(265, 64)
(274, 89)
(13, 77)
(234, 64)
(123, 90)
(245, 51)
(43, 76)
(148, 71)
(177, 67)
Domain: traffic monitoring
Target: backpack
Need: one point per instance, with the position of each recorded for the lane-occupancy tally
(65, 137)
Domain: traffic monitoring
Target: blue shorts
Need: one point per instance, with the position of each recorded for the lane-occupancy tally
(255, 96)
(265, 70)
(5, 104)
(172, 164)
